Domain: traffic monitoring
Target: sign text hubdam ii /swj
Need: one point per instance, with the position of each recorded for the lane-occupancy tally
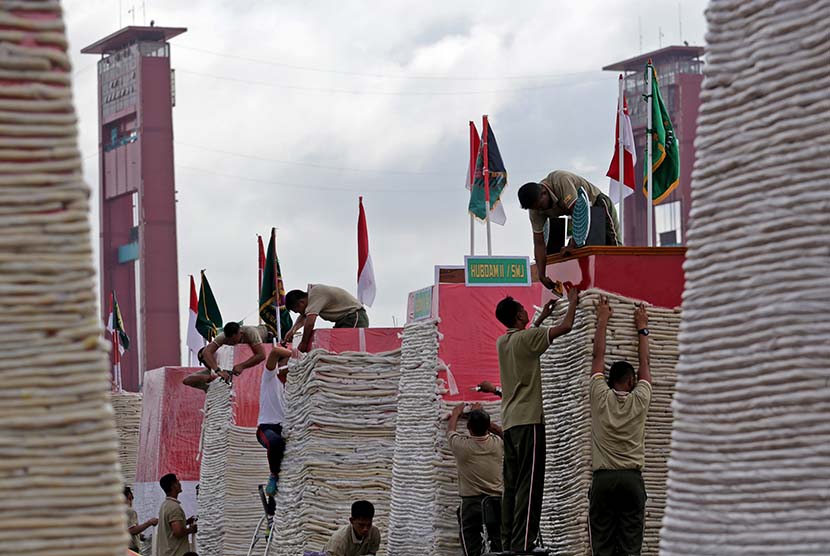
(497, 271)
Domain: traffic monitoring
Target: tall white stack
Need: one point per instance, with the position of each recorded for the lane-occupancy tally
(566, 368)
(247, 469)
(340, 430)
(412, 527)
(750, 465)
(213, 469)
(127, 407)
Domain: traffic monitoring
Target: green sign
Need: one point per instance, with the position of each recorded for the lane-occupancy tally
(497, 271)
(419, 306)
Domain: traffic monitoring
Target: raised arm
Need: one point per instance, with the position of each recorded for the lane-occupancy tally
(603, 314)
(454, 416)
(568, 322)
(308, 331)
(277, 353)
(254, 360)
(293, 330)
(209, 356)
(641, 322)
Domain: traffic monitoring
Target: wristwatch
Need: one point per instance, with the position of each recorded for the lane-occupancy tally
(643, 331)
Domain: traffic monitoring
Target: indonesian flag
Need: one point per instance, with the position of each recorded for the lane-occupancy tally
(365, 271)
(195, 342)
(119, 338)
(629, 158)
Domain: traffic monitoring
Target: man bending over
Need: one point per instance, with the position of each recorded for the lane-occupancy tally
(232, 334)
(327, 302)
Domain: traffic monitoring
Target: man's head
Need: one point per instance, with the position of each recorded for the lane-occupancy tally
(296, 301)
(233, 333)
(478, 422)
(511, 313)
(363, 513)
(128, 495)
(170, 485)
(622, 377)
(535, 196)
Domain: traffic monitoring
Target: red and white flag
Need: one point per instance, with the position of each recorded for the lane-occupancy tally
(365, 271)
(195, 342)
(629, 158)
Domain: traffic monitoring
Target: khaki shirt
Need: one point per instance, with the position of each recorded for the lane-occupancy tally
(168, 545)
(521, 375)
(562, 187)
(479, 461)
(251, 335)
(331, 303)
(618, 425)
(345, 543)
(134, 543)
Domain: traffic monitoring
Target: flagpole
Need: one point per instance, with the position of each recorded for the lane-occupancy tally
(486, 155)
(259, 270)
(471, 173)
(621, 154)
(649, 123)
(276, 287)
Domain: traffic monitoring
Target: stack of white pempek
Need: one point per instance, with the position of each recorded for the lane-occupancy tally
(566, 369)
(412, 528)
(127, 407)
(340, 433)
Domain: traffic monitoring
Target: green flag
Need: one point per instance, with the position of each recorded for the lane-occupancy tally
(208, 319)
(272, 294)
(665, 153)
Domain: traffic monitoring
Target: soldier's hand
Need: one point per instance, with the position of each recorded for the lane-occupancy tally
(603, 309)
(641, 317)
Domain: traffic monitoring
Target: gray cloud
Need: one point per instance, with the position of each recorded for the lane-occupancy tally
(379, 94)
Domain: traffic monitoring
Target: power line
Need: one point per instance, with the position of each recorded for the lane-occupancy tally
(313, 165)
(384, 93)
(319, 187)
(381, 75)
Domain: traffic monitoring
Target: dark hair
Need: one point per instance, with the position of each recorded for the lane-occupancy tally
(293, 297)
(478, 422)
(167, 482)
(190, 554)
(507, 310)
(529, 193)
(231, 329)
(363, 509)
(127, 492)
(619, 372)
(199, 356)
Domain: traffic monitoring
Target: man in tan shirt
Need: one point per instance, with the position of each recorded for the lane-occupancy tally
(232, 334)
(173, 528)
(478, 457)
(327, 302)
(519, 350)
(134, 528)
(554, 196)
(359, 537)
(618, 419)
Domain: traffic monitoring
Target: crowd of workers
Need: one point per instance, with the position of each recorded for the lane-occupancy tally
(501, 470)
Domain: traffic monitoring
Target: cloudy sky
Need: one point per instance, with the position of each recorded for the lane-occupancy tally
(287, 111)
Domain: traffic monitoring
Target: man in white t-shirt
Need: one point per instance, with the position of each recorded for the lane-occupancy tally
(272, 412)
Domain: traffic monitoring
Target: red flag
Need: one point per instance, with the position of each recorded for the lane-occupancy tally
(195, 341)
(365, 271)
(629, 157)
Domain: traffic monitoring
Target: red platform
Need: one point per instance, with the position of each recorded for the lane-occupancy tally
(653, 274)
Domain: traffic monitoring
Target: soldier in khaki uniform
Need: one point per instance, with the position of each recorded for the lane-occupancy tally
(554, 196)
(173, 528)
(618, 418)
(359, 537)
(519, 350)
(327, 302)
(134, 528)
(232, 334)
(479, 458)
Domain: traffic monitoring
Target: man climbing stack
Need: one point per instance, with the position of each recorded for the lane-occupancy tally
(327, 302)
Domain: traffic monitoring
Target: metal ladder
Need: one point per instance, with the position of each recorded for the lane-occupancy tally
(265, 526)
